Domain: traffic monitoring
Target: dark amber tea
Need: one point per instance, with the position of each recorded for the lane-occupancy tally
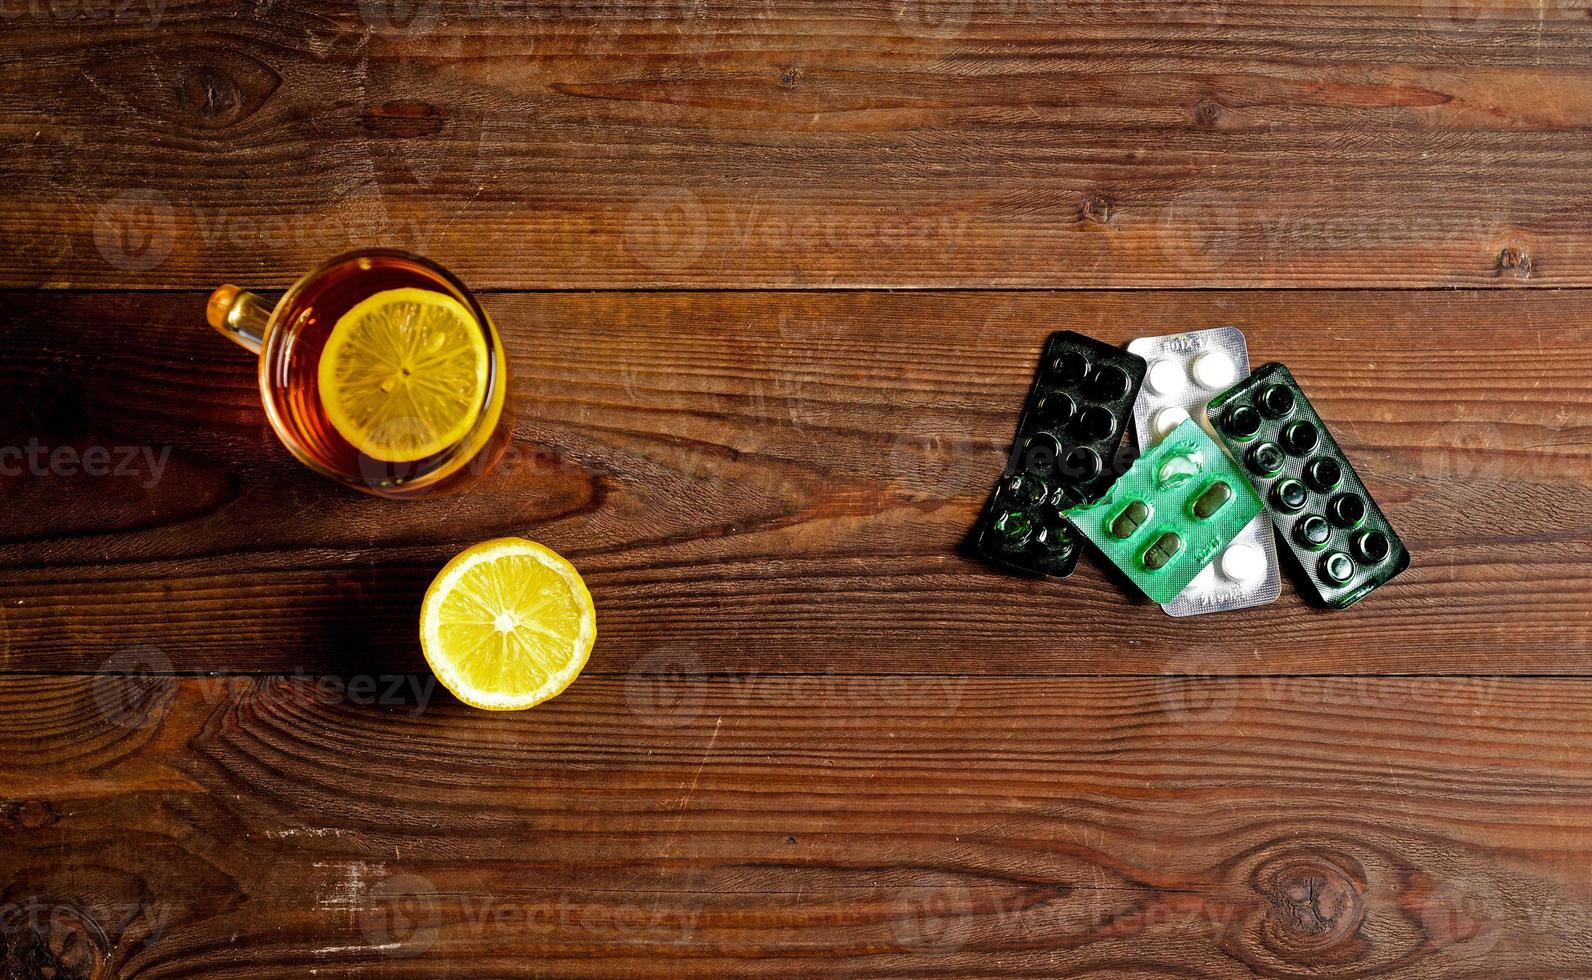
(378, 369)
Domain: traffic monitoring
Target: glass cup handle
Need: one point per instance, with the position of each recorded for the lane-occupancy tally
(240, 315)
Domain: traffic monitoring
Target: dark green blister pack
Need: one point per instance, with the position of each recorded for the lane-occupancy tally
(1323, 512)
(1066, 452)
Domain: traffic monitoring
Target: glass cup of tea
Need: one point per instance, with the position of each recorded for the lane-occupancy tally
(379, 370)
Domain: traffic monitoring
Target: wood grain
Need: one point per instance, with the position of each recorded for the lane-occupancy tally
(760, 483)
(904, 826)
(602, 143)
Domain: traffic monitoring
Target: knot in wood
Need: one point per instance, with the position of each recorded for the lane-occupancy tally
(54, 940)
(1315, 904)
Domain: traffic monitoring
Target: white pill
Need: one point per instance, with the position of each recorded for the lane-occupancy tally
(1205, 581)
(1168, 419)
(1166, 377)
(1241, 563)
(1213, 369)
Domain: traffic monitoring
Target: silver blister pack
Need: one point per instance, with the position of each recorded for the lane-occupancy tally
(1186, 371)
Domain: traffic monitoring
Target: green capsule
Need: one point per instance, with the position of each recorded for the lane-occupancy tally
(1160, 554)
(1212, 500)
(1130, 519)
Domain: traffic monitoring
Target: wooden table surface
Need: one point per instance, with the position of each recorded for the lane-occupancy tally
(773, 278)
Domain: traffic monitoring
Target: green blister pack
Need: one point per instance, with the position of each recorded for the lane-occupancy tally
(1173, 511)
(1324, 514)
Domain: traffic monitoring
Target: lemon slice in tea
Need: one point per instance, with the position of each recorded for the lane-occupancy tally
(507, 624)
(404, 374)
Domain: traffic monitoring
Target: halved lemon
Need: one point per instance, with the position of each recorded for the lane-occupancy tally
(507, 624)
(404, 374)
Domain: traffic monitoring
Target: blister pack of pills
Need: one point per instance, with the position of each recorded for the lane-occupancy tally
(1323, 512)
(1185, 372)
(1172, 513)
(1067, 450)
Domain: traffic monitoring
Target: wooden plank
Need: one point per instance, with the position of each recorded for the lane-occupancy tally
(907, 826)
(767, 482)
(602, 143)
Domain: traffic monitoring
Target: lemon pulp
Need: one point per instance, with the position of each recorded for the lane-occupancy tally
(404, 373)
(507, 624)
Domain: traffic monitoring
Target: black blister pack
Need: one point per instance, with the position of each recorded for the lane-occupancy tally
(1068, 451)
(1323, 513)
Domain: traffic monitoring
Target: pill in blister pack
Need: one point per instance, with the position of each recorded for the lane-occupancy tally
(1185, 372)
(1326, 517)
(1066, 451)
(1174, 512)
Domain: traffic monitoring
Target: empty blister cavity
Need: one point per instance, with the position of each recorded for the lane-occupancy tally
(1265, 459)
(1065, 450)
(1289, 495)
(1242, 422)
(1171, 514)
(1371, 547)
(1186, 371)
(1342, 541)
(1276, 401)
(1312, 531)
(1323, 474)
(1346, 510)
